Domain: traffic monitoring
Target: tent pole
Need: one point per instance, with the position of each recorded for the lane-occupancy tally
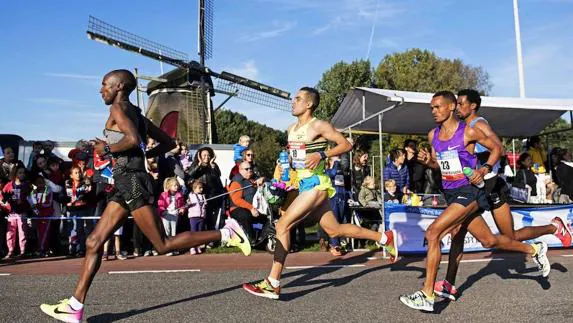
(514, 161)
(381, 146)
(363, 104)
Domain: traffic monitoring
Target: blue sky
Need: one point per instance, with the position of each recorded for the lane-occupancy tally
(51, 71)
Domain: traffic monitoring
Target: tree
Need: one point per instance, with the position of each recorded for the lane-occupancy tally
(337, 81)
(267, 142)
(423, 71)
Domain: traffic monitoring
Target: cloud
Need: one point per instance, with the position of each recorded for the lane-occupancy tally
(248, 70)
(61, 102)
(279, 28)
(73, 76)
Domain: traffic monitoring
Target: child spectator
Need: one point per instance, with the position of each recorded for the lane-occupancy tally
(391, 194)
(42, 203)
(117, 244)
(368, 196)
(196, 211)
(4, 211)
(77, 188)
(17, 191)
(184, 156)
(244, 142)
(170, 205)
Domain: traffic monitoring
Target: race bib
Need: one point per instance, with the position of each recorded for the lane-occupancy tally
(297, 151)
(450, 165)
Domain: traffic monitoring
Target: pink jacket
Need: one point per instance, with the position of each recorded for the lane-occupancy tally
(164, 199)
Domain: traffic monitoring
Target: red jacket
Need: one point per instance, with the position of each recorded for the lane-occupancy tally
(164, 199)
(19, 200)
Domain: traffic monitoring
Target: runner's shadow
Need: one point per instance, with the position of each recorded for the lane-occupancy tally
(111, 317)
(504, 270)
(309, 276)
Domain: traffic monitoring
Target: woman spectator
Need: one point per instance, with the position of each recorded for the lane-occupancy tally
(360, 170)
(524, 175)
(338, 201)
(207, 171)
(40, 167)
(564, 173)
(77, 188)
(8, 163)
(536, 151)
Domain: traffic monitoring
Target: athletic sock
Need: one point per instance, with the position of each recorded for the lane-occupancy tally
(275, 283)
(225, 235)
(429, 297)
(556, 225)
(383, 239)
(75, 304)
(536, 249)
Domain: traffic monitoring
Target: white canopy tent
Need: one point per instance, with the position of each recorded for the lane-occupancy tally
(409, 112)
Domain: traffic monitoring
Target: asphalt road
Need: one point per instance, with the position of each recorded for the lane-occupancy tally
(354, 288)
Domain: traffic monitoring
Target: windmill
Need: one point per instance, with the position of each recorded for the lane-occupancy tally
(180, 100)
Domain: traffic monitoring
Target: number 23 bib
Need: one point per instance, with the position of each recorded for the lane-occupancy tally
(450, 165)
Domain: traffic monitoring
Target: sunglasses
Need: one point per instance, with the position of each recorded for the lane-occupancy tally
(247, 169)
(250, 155)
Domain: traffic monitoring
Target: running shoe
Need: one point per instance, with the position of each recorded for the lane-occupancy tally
(262, 288)
(563, 231)
(540, 258)
(418, 301)
(335, 251)
(63, 312)
(444, 289)
(391, 245)
(238, 237)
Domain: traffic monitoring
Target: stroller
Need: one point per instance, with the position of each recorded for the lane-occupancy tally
(274, 196)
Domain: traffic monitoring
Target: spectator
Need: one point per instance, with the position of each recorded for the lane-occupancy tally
(171, 205)
(4, 212)
(241, 191)
(17, 192)
(397, 171)
(77, 189)
(169, 165)
(338, 201)
(238, 148)
(40, 167)
(391, 194)
(117, 244)
(537, 152)
(564, 172)
(416, 171)
(207, 171)
(184, 157)
(48, 150)
(360, 170)
(524, 176)
(8, 163)
(42, 203)
(36, 150)
(196, 212)
(248, 155)
(368, 196)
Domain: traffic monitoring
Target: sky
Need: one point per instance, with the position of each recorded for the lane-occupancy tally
(52, 72)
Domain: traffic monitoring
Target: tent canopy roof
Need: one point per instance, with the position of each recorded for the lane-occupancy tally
(409, 112)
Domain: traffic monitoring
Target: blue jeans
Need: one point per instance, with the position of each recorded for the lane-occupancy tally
(338, 206)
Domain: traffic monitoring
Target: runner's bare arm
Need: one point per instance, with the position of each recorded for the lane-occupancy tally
(476, 135)
(326, 130)
(486, 129)
(426, 157)
(165, 143)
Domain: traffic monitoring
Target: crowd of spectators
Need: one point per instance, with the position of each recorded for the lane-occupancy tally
(191, 196)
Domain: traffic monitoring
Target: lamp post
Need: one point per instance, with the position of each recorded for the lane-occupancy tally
(519, 53)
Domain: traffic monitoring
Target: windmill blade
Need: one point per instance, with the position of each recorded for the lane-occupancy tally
(205, 30)
(253, 91)
(101, 31)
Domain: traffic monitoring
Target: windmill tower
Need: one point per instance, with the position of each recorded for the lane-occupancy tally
(180, 100)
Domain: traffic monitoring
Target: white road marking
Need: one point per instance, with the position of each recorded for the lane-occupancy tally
(476, 260)
(153, 271)
(5, 274)
(325, 266)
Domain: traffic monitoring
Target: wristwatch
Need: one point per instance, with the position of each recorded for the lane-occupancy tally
(322, 155)
(488, 166)
(106, 150)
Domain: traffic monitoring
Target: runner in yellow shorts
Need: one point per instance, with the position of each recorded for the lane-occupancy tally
(307, 140)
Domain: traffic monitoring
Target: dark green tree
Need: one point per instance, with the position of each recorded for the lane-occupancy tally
(266, 141)
(337, 81)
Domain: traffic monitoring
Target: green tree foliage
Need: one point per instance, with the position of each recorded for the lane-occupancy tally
(423, 71)
(337, 81)
(266, 141)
